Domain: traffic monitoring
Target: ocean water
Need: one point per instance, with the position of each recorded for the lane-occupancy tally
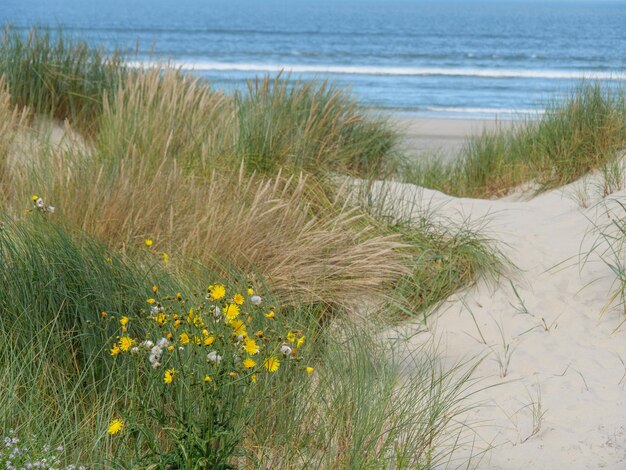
(446, 58)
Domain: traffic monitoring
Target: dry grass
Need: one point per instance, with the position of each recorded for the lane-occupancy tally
(165, 115)
(12, 120)
(259, 225)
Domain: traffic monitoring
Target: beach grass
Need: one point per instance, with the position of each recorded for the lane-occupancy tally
(583, 132)
(57, 76)
(157, 179)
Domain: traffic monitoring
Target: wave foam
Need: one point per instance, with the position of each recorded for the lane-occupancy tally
(405, 71)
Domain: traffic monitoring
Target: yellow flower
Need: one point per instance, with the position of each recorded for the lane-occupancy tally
(166, 257)
(231, 311)
(168, 378)
(270, 315)
(103, 314)
(249, 363)
(250, 291)
(208, 341)
(148, 242)
(126, 343)
(184, 339)
(115, 350)
(309, 370)
(207, 378)
(250, 346)
(151, 301)
(115, 426)
(179, 296)
(123, 321)
(238, 299)
(155, 288)
(300, 342)
(34, 197)
(271, 364)
(217, 291)
(239, 328)
(291, 337)
(161, 319)
(170, 347)
(253, 378)
(176, 324)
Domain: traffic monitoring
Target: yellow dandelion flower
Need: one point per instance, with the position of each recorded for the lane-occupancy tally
(291, 336)
(271, 364)
(207, 378)
(34, 197)
(148, 242)
(115, 350)
(300, 342)
(161, 319)
(208, 341)
(309, 370)
(259, 334)
(250, 346)
(270, 315)
(250, 291)
(217, 291)
(151, 301)
(170, 347)
(238, 299)
(231, 311)
(168, 377)
(103, 314)
(176, 324)
(126, 343)
(155, 288)
(166, 257)
(205, 332)
(184, 339)
(169, 336)
(124, 321)
(115, 426)
(253, 378)
(249, 363)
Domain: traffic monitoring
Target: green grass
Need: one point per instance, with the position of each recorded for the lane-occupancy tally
(58, 77)
(584, 132)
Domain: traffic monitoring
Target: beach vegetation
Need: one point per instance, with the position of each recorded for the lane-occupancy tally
(582, 132)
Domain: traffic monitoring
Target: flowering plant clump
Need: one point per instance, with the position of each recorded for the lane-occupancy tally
(17, 456)
(196, 364)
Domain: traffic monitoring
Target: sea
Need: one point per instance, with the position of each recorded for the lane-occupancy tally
(445, 58)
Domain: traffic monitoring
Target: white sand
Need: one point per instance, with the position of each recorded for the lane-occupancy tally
(574, 370)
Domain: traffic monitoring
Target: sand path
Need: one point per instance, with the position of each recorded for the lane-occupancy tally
(559, 400)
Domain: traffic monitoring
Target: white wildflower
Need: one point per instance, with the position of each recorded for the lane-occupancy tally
(286, 350)
(255, 300)
(214, 357)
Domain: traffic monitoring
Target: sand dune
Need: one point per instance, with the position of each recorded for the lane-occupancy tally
(554, 360)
